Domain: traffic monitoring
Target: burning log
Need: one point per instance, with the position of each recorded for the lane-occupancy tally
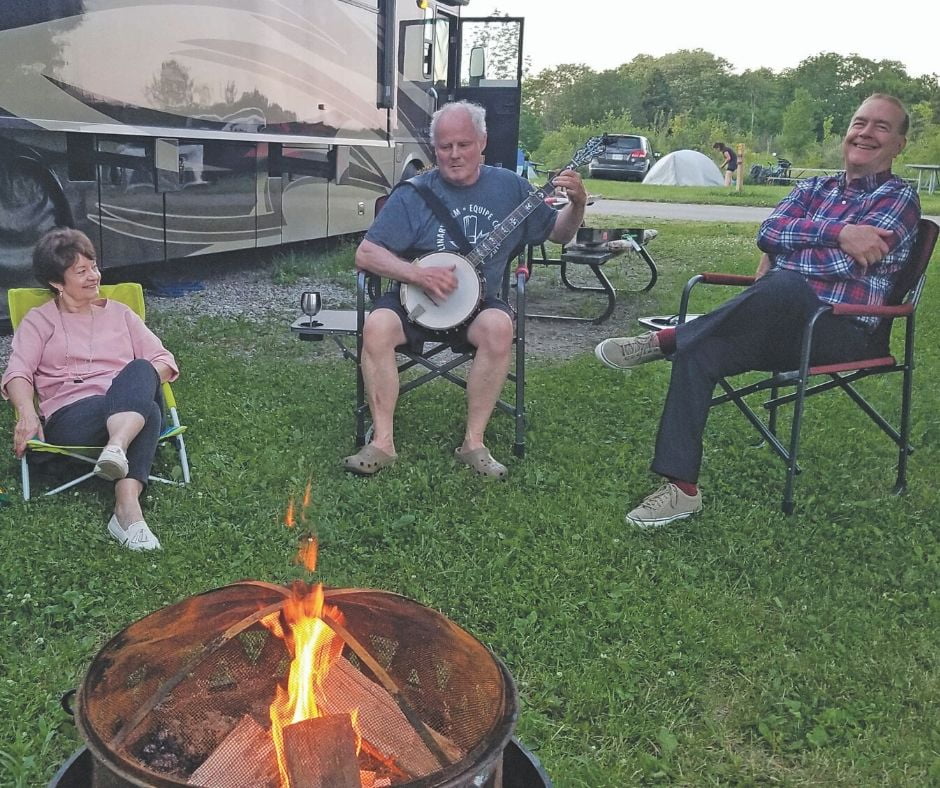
(321, 753)
(245, 757)
(382, 724)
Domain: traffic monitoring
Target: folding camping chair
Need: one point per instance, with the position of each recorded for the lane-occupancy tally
(21, 300)
(902, 304)
(446, 366)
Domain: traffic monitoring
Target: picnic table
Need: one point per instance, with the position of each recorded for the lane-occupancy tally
(929, 173)
(594, 257)
(798, 173)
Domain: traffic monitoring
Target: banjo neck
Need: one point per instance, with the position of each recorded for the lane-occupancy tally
(494, 239)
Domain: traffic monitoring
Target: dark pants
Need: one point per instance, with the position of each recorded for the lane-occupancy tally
(135, 388)
(759, 329)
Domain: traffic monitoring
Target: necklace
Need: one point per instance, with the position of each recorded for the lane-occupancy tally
(79, 376)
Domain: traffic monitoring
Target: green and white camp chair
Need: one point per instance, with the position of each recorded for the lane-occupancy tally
(21, 300)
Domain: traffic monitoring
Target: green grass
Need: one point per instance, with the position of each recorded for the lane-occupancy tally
(762, 196)
(742, 647)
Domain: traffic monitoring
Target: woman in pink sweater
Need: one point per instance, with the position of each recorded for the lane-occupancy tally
(96, 371)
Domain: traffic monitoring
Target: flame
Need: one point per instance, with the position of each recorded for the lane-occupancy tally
(307, 552)
(315, 648)
(312, 644)
(307, 543)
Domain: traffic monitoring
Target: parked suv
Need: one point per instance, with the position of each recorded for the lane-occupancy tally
(625, 156)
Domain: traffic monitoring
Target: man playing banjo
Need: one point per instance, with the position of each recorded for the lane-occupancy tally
(479, 197)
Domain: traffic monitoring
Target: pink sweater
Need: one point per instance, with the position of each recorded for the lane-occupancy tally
(68, 356)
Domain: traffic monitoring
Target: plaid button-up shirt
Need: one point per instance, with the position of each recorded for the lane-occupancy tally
(802, 235)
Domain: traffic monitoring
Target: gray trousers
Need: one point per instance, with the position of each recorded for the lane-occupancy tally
(761, 328)
(84, 423)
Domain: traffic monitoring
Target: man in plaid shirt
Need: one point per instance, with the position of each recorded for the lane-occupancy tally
(840, 239)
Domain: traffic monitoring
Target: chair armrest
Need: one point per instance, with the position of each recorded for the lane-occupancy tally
(900, 310)
(710, 278)
(169, 399)
(738, 280)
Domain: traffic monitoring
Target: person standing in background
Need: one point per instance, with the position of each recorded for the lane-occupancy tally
(730, 161)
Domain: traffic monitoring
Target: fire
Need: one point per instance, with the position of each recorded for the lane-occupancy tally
(307, 552)
(307, 543)
(313, 645)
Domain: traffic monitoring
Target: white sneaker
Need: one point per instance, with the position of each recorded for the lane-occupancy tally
(137, 536)
(666, 504)
(628, 352)
(112, 463)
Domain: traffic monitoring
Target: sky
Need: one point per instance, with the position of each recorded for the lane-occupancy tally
(604, 34)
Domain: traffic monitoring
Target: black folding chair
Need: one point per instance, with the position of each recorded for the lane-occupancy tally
(448, 366)
(802, 383)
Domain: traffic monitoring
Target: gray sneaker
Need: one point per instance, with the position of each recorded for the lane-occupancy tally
(627, 352)
(668, 503)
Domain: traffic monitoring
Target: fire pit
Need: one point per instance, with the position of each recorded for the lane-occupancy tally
(209, 692)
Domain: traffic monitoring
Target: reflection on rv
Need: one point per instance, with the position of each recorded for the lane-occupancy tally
(245, 123)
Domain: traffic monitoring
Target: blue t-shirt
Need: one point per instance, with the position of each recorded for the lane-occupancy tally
(408, 227)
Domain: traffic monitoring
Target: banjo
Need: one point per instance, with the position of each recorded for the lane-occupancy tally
(462, 303)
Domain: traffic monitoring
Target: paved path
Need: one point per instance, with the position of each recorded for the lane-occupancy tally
(684, 211)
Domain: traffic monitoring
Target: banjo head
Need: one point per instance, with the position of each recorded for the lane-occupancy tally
(457, 307)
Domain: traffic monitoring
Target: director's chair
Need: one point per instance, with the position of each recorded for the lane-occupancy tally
(21, 300)
(808, 380)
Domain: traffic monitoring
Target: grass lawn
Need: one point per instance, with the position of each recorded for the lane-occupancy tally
(740, 647)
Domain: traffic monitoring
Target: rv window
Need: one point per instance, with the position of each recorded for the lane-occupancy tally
(412, 52)
(307, 162)
(489, 53)
(80, 149)
(126, 162)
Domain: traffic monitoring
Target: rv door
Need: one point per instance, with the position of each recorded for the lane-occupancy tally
(488, 52)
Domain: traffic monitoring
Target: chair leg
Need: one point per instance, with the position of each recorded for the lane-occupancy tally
(184, 458)
(69, 485)
(799, 402)
(24, 476)
(180, 445)
(361, 407)
(904, 450)
(772, 416)
(519, 416)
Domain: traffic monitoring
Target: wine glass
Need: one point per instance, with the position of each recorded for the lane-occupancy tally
(310, 303)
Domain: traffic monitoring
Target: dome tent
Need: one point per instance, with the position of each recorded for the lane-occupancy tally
(685, 168)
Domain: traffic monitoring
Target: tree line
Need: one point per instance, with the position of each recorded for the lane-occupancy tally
(691, 98)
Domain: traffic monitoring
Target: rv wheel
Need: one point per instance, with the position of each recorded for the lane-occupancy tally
(28, 200)
(412, 168)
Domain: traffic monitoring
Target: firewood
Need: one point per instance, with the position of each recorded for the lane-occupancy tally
(381, 722)
(245, 757)
(369, 780)
(321, 753)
